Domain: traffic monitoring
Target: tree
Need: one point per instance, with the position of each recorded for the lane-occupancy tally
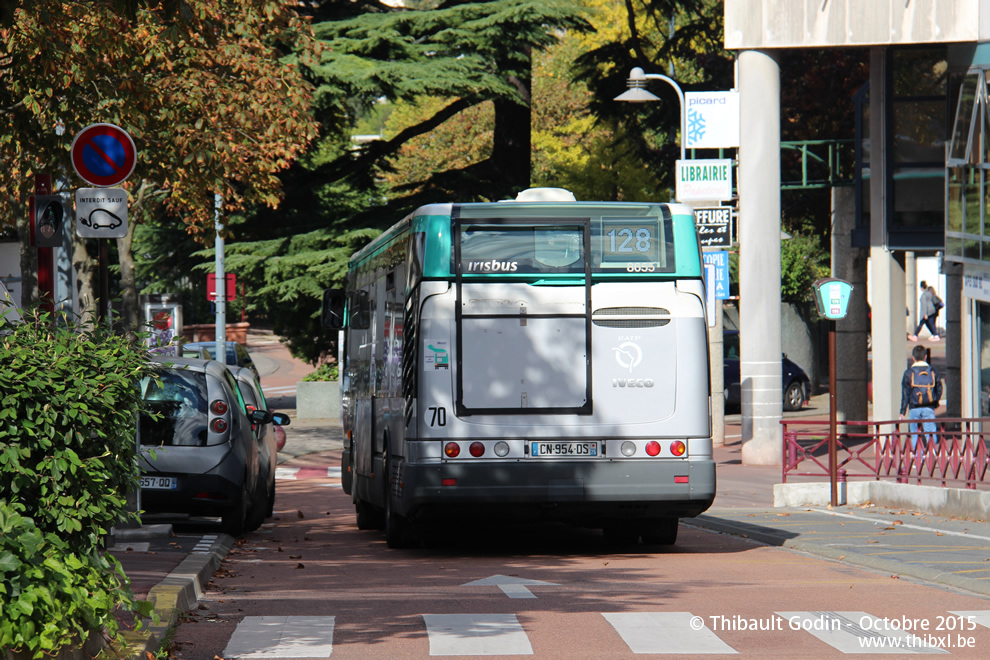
(210, 90)
(459, 59)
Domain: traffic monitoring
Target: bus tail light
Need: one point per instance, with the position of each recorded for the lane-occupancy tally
(628, 448)
(652, 448)
(477, 449)
(681, 480)
(501, 448)
(448, 482)
(677, 448)
(451, 450)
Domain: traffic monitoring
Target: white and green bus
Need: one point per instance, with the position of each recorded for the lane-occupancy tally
(527, 361)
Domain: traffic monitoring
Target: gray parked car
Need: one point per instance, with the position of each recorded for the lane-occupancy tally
(266, 434)
(200, 456)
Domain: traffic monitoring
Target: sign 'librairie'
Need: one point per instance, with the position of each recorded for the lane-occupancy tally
(704, 180)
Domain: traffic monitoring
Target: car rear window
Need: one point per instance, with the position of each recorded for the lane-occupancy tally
(180, 398)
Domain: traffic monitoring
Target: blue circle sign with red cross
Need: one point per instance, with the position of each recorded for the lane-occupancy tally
(103, 155)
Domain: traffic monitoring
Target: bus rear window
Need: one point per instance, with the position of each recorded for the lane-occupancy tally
(490, 249)
(618, 244)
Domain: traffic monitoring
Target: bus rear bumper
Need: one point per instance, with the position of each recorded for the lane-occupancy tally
(589, 493)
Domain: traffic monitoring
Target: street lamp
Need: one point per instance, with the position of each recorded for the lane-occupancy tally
(638, 94)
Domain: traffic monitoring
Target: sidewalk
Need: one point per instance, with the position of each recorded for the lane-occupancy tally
(905, 544)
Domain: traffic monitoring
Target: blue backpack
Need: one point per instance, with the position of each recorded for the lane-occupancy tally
(922, 386)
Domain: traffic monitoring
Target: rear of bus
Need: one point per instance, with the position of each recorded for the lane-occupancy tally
(562, 372)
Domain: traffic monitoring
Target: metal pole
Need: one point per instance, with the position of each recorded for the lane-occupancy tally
(221, 315)
(680, 97)
(832, 415)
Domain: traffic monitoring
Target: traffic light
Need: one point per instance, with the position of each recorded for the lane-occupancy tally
(48, 214)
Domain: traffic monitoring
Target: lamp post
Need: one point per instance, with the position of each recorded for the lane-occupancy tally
(637, 93)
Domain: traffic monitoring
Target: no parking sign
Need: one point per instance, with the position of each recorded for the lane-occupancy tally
(103, 155)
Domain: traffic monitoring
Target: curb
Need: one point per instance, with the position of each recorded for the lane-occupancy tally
(177, 593)
(769, 536)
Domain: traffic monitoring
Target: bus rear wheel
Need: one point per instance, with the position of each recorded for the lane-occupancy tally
(661, 532)
(368, 516)
(398, 529)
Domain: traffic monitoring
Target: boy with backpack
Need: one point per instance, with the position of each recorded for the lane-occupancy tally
(921, 391)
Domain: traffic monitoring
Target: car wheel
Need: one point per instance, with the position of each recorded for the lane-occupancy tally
(271, 500)
(661, 532)
(794, 396)
(259, 509)
(232, 522)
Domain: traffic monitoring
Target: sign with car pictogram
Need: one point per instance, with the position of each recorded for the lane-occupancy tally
(103, 155)
(101, 213)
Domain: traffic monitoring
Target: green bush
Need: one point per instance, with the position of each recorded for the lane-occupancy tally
(323, 373)
(68, 410)
(51, 597)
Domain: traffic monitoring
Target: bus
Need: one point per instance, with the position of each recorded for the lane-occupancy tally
(540, 359)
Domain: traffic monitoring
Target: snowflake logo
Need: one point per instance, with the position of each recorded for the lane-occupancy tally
(695, 127)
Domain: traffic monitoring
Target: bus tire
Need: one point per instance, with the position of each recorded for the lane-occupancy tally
(621, 535)
(661, 532)
(398, 530)
(346, 477)
(368, 517)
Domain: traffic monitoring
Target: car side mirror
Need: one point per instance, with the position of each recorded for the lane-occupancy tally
(260, 416)
(280, 418)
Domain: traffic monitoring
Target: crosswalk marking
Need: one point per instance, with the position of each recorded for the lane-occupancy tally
(282, 637)
(204, 544)
(476, 634)
(846, 632)
(665, 632)
(307, 472)
(643, 632)
(285, 473)
(981, 617)
(276, 391)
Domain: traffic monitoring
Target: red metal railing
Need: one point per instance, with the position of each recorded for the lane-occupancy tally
(955, 455)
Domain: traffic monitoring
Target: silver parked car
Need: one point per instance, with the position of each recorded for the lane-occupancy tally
(199, 453)
(266, 434)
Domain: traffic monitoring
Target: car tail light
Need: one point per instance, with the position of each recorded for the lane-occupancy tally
(477, 449)
(219, 407)
(452, 449)
(652, 448)
(677, 448)
(218, 425)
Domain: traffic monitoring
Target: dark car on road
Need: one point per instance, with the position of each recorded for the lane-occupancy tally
(795, 384)
(199, 451)
(237, 354)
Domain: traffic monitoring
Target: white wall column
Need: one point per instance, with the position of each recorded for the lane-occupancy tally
(886, 271)
(759, 257)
